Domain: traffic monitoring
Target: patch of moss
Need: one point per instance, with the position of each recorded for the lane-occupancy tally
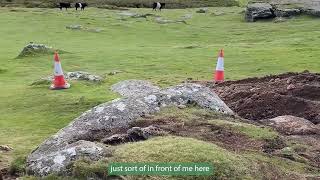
(18, 166)
(252, 131)
(84, 169)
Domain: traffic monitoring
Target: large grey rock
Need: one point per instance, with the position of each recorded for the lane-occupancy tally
(257, 11)
(134, 88)
(292, 125)
(287, 12)
(97, 122)
(314, 11)
(286, 8)
(47, 161)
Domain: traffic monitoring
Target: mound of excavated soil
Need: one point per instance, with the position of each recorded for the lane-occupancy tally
(296, 94)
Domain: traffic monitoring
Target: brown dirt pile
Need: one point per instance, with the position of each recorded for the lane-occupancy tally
(296, 94)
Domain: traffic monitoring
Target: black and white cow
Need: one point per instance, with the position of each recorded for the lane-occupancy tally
(81, 5)
(158, 5)
(64, 5)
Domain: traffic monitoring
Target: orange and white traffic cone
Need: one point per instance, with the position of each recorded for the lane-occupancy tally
(58, 82)
(219, 74)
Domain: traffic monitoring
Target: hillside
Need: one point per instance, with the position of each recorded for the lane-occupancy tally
(122, 3)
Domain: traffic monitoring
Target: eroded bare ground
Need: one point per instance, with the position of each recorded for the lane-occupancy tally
(296, 94)
(203, 130)
(303, 149)
(199, 128)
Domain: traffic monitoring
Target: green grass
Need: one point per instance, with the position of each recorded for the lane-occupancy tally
(126, 3)
(226, 164)
(141, 49)
(250, 130)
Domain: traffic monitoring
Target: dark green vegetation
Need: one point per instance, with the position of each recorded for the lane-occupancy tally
(29, 114)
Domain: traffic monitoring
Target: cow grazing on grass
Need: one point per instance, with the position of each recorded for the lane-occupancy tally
(64, 5)
(80, 5)
(158, 5)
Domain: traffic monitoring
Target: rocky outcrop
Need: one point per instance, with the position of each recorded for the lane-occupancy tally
(33, 49)
(81, 75)
(134, 88)
(314, 11)
(202, 10)
(291, 125)
(76, 75)
(46, 161)
(286, 12)
(59, 151)
(134, 134)
(257, 11)
(290, 8)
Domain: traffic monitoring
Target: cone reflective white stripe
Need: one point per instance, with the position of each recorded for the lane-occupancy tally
(58, 82)
(57, 69)
(219, 74)
(220, 64)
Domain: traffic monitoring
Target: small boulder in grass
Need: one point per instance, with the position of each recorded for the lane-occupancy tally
(33, 49)
(291, 125)
(202, 10)
(76, 75)
(114, 72)
(74, 27)
(81, 75)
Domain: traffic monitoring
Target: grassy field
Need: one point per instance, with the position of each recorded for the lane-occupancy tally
(123, 3)
(140, 48)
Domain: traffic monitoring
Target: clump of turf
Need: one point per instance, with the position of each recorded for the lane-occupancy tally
(17, 167)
